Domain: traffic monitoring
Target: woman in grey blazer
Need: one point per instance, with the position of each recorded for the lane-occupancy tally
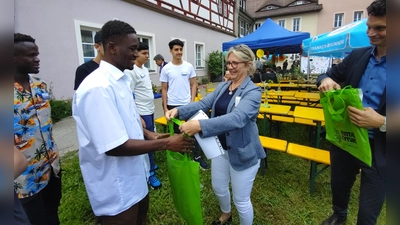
(235, 105)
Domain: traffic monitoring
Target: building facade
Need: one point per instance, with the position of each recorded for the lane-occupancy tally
(339, 13)
(294, 15)
(64, 31)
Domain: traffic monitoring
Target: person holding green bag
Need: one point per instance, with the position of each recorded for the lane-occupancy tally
(110, 133)
(235, 105)
(363, 68)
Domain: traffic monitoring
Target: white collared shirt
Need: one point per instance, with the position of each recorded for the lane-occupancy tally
(106, 117)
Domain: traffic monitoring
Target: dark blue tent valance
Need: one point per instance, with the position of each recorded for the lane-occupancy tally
(271, 37)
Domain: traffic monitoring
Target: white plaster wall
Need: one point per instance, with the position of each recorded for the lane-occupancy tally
(51, 23)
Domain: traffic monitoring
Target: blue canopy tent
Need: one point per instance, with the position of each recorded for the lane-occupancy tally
(338, 43)
(272, 38)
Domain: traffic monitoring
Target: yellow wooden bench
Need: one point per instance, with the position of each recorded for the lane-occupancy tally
(276, 118)
(162, 121)
(286, 119)
(310, 104)
(290, 102)
(315, 155)
(305, 121)
(271, 144)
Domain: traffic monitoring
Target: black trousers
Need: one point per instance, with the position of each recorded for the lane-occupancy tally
(344, 168)
(197, 150)
(42, 208)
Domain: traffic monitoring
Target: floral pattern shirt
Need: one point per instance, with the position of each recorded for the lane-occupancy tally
(33, 137)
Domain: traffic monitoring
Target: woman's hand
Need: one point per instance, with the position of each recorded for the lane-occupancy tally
(191, 127)
(171, 113)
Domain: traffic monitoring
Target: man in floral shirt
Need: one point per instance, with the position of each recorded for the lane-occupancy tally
(39, 186)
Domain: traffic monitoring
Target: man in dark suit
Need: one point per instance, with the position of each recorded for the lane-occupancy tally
(364, 68)
(159, 59)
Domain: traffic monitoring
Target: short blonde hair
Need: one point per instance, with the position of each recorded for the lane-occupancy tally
(245, 54)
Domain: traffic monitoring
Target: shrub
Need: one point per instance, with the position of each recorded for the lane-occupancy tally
(214, 64)
(204, 80)
(60, 109)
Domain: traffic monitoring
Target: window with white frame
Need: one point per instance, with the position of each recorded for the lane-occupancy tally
(242, 4)
(269, 7)
(84, 34)
(199, 55)
(296, 24)
(87, 37)
(338, 20)
(257, 25)
(281, 23)
(220, 7)
(248, 29)
(358, 15)
(148, 41)
(242, 28)
(225, 9)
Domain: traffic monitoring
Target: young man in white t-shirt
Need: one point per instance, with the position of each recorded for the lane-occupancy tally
(179, 87)
(142, 91)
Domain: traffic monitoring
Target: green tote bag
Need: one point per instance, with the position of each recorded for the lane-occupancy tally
(183, 174)
(340, 131)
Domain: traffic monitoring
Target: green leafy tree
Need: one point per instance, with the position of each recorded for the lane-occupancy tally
(214, 64)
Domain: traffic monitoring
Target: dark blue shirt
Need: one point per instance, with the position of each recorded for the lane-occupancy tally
(220, 109)
(373, 83)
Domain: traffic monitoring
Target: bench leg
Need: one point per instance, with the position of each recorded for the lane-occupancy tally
(263, 166)
(313, 175)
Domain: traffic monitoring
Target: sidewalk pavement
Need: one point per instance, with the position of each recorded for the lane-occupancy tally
(64, 131)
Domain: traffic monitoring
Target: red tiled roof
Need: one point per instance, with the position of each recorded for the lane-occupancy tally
(254, 7)
(288, 11)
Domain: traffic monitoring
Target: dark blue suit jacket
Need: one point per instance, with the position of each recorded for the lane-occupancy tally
(349, 72)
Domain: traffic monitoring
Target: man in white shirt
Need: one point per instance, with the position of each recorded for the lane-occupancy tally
(179, 87)
(110, 133)
(142, 89)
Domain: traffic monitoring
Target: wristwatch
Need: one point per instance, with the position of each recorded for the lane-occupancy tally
(383, 127)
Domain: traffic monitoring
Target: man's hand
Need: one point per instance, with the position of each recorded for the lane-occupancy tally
(143, 123)
(154, 136)
(191, 127)
(171, 113)
(366, 118)
(328, 84)
(179, 143)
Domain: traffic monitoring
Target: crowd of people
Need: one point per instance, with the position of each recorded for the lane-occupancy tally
(113, 107)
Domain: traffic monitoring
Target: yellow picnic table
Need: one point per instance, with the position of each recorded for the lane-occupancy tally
(317, 115)
(283, 85)
(314, 114)
(310, 96)
(280, 94)
(208, 90)
(273, 109)
(308, 86)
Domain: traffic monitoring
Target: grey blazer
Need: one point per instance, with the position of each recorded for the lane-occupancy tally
(238, 124)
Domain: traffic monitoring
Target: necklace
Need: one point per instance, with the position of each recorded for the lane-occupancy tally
(231, 89)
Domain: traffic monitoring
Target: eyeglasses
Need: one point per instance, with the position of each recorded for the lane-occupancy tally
(233, 64)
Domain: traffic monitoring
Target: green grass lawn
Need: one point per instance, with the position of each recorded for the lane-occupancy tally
(279, 197)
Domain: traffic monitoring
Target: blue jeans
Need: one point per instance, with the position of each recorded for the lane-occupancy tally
(149, 119)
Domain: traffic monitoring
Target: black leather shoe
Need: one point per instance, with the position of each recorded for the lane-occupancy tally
(219, 222)
(334, 220)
